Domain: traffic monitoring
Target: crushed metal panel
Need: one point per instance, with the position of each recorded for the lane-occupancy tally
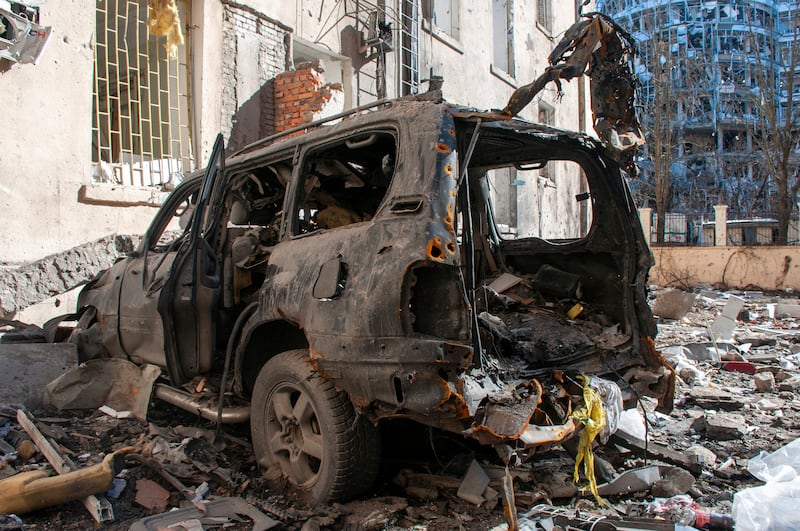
(21, 40)
(111, 382)
(214, 508)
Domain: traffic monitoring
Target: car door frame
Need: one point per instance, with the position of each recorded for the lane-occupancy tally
(188, 300)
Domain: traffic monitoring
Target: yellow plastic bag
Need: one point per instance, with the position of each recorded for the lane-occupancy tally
(593, 417)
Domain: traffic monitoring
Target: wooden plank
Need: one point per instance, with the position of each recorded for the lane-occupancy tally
(98, 506)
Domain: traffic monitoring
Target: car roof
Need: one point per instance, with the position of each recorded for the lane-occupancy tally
(410, 109)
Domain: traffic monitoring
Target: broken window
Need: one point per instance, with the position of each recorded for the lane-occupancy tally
(503, 35)
(345, 182)
(547, 116)
(557, 207)
(140, 120)
(544, 14)
(503, 183)
(255, 205)
(175, 221)
(443, 14)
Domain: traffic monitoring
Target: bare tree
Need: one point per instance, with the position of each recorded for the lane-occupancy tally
(660, 117)
(776, 103)
(660, 127)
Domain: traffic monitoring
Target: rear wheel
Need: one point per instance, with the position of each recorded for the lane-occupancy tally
(300, 422)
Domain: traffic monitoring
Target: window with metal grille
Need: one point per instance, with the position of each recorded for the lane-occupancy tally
(544, 14)
(409, 52)
(140, 121)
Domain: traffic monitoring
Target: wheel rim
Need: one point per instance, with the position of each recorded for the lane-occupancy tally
(294, 436)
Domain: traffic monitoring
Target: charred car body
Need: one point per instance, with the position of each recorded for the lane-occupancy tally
(333, 279)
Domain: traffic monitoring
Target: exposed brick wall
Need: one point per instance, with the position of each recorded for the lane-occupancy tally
(300, 95)
(253, 53)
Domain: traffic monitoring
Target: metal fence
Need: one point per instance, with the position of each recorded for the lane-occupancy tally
(693, 229)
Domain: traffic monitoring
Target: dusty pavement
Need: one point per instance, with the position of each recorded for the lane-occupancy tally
(731, 403)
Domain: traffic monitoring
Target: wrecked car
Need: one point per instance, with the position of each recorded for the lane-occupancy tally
(326, 279)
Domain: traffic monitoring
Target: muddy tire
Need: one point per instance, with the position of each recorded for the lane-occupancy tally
(300, 422)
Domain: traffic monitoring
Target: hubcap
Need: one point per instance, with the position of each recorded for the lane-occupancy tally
(294, 435)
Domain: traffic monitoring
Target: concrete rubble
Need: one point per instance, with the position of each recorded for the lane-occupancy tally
(717, 446)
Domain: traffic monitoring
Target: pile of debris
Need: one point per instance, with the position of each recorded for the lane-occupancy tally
(728, 452)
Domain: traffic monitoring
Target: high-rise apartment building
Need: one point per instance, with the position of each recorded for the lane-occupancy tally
(705, 69)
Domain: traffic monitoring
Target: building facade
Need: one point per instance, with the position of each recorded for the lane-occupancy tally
(704, 63)
(129, 95)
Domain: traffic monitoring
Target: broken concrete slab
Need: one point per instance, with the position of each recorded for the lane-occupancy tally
(646, 478)
(764, 382)
(789, 384)
(116, 383)
(725, 426)
(786, 311)
(29, 367)
(673, 303)
(655, 450)
(32, 283)
(710, 398)
(701, 455)
(673, 481)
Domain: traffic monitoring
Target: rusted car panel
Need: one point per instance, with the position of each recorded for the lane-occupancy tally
(598, 47)
(349, 267)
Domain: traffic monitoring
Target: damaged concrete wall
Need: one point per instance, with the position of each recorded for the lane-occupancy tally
(46, 145)
(23, 286)
(764, 268)
(302, 96)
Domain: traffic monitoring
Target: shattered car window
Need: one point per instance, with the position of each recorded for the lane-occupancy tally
(177, 225)
(346, 182)
(554, 198)
(255, 214)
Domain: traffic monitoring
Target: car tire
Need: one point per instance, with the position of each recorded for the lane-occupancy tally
(300, 422)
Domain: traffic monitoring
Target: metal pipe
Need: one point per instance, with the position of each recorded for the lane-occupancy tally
(184, 400)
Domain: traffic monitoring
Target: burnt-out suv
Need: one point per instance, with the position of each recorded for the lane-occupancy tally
(413, 259)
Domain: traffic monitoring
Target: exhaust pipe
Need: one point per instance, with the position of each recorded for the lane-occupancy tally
(184, 400)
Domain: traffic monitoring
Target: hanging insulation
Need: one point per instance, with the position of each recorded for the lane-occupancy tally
(165, 20)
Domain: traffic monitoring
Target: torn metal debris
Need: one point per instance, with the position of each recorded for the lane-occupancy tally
(22, 39)
(598, 47)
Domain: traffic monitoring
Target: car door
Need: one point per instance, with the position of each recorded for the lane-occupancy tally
(188, 300)
(141, 333)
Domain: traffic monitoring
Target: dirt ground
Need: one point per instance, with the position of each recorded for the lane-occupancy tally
(718, 407)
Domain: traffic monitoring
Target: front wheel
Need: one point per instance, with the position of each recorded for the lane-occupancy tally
(300, 422)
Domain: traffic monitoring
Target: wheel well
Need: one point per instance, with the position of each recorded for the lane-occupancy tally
(263, 343)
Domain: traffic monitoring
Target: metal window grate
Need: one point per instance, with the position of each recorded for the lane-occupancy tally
(140, 123)
(409, 48)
